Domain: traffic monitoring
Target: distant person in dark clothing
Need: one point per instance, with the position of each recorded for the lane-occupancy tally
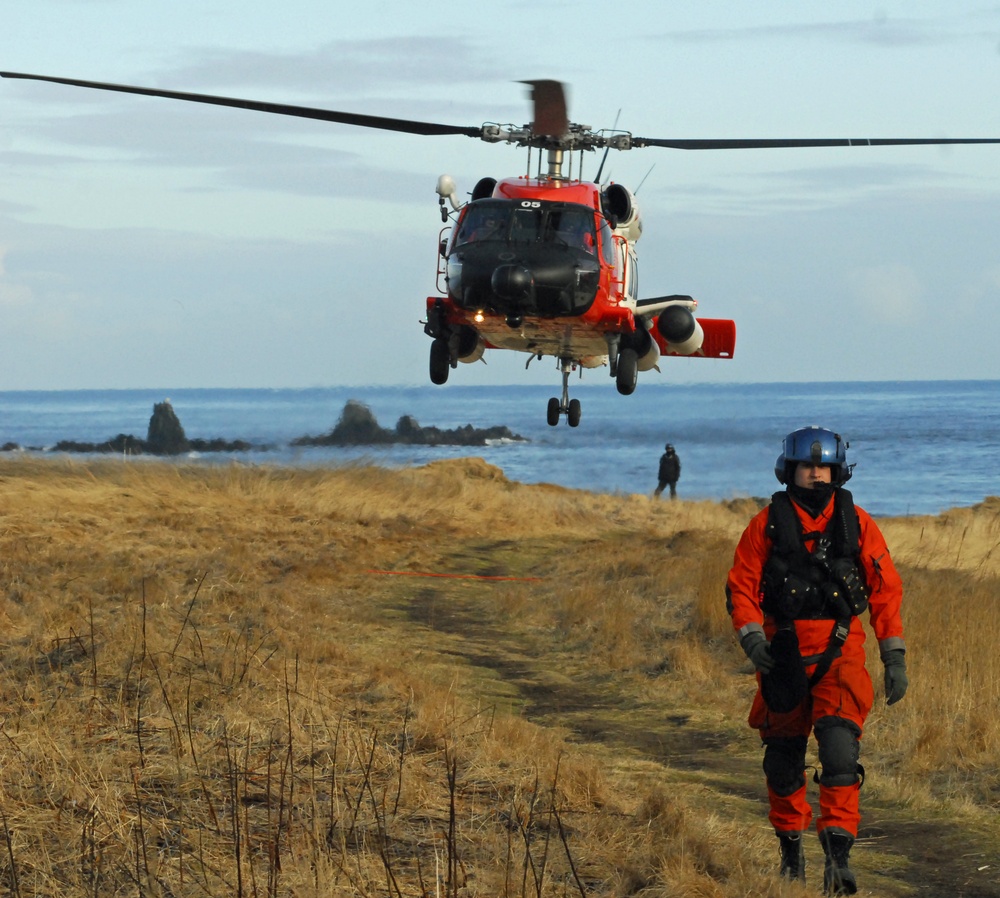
(670, 472)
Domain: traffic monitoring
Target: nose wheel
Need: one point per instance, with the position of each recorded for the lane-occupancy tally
(566, 406)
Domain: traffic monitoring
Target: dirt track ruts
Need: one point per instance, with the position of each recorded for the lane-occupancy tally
(897, 853)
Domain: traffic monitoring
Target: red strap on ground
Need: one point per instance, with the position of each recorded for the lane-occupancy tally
(452, 576)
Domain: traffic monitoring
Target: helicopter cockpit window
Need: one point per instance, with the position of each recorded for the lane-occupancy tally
(483, 221)
(573, 226)
(561, 224)
(527, 224)
(557, 223)
(607, 243)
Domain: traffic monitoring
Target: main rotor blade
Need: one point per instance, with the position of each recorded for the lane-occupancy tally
(765, 144)
(550, 115)
(550, 120)
(326, 115)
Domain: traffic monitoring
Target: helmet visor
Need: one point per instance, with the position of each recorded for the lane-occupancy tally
(815, 445)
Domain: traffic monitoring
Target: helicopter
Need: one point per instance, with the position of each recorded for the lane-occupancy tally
(545, 263)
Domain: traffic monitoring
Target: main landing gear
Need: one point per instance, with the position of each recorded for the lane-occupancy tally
(568, 407)
(440, 362)
(625, 370)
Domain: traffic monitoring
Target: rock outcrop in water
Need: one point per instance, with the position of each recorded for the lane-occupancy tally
(164, 436)
(358, 427)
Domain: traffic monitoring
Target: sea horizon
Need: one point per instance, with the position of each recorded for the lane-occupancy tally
(920, 446)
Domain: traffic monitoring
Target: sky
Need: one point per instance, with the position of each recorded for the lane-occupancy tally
(149, 243)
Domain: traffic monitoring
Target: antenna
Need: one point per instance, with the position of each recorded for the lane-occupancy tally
(643, 181)
(607, 149)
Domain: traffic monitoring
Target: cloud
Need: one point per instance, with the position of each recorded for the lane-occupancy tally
(879, 30)
(342, 65)
(890, 293)
(12, 294)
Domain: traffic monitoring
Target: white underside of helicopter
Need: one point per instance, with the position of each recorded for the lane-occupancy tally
(587, 347)
(543, 338)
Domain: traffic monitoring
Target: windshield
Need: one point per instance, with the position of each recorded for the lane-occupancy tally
(528, 221)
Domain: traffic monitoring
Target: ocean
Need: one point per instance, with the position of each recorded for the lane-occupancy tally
(920, 447)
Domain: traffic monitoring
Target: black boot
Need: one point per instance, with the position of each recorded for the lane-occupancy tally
(793, 859)
(837, 876)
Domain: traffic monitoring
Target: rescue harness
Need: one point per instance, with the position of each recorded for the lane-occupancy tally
(825, 584)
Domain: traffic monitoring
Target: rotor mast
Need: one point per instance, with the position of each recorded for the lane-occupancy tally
(555, 161)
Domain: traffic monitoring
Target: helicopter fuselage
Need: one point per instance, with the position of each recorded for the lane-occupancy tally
(537, 267)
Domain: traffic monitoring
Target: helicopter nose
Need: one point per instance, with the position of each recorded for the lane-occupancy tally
(512, 282)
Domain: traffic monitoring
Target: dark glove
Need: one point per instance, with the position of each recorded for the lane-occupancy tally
(758, 650)
(896, 680)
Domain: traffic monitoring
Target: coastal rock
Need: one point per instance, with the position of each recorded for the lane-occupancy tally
(165, 435)
(127, 444)
(124, 443)
(358, 426)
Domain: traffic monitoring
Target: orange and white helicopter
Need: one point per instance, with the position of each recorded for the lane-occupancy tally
(545, 263)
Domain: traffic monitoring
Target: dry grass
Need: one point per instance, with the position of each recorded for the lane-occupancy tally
(946, 735)
(257, 681)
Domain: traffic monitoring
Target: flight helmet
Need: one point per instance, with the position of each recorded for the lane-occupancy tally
(818, 446)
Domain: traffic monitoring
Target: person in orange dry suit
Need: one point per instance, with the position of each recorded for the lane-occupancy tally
(804, 569)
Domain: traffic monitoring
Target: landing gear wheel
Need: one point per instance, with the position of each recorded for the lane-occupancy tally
(552, 413)
(440, 360)
(573, 413)
(628, 371)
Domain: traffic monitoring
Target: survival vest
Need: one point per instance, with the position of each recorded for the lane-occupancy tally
(827, 583)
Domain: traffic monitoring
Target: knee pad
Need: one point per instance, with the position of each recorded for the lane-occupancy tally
(838, 751)
(785, 763)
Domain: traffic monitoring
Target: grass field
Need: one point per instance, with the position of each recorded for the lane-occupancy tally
(260, 681)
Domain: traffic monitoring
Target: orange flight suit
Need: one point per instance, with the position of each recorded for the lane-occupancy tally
(845, 691)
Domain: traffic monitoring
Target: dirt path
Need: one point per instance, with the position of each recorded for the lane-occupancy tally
(897, 854)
